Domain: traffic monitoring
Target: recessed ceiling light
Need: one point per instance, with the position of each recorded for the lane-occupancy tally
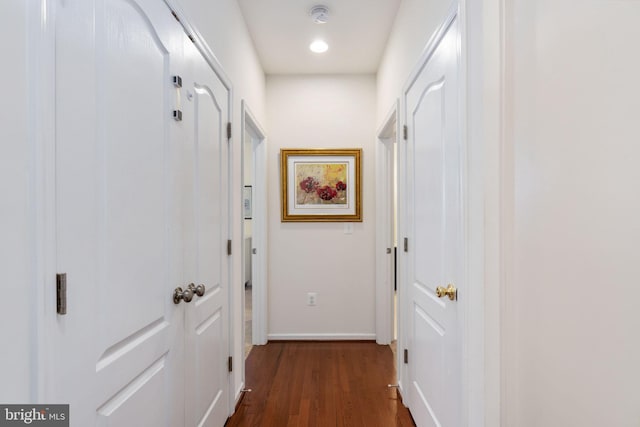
(319, 14)
(319, 46)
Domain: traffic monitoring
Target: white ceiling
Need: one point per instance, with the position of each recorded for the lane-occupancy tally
(356, 32)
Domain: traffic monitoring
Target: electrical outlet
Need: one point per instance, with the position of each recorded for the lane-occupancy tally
(311, 298)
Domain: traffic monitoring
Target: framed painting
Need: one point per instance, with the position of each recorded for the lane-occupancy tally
(321, 185)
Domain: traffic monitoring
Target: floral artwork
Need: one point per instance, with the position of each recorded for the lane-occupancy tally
(321, 185)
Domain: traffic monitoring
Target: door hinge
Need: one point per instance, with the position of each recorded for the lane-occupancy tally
(406, 244)
(230, 364)
(175, 15)
(228, 130)
(406, 356)
(405, 132)
(61, 293)
(228, 247)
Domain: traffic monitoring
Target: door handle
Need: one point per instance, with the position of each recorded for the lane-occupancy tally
(179, 294)
(198, 290)
(449, 291)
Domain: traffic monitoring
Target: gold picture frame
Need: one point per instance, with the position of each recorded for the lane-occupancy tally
(321, 185)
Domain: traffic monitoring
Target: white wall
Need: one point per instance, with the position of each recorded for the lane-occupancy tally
(16, 211)
(221, 24)
(415, 22)
(321, 112)
(574, 133)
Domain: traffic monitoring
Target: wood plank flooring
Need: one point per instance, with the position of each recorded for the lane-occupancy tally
(320, 384)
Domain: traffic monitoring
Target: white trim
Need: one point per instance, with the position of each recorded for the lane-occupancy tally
(259, 270)
(502, 154)
(401, 264)
(41, 75)
(387, 137)
(238, 394)
(200, 42)
(321, 337)
(390, 122)
(484, 107)
(472, 330)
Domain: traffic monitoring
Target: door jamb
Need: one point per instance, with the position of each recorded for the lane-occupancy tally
(41, 25)
(259, 139)
(387, 135)
(249, 125)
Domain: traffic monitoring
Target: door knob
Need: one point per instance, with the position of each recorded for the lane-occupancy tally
(198, 290)
(449, 291)
(179, 294)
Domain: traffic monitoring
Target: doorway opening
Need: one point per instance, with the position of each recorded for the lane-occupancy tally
(254, 277)
(387, 236)
(247, 238)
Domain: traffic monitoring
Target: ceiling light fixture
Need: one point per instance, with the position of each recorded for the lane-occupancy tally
(319, 14)
(319, 46)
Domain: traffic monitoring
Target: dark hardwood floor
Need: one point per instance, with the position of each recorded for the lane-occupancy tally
(320, 384)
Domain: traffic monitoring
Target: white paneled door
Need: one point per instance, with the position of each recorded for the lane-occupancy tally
(206, 331)
(141, 209)
(434, 231)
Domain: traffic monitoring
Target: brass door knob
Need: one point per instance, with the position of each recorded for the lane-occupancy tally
(179, 295)
(449, 291)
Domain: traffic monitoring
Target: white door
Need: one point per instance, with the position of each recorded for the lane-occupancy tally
(206, 198)
(434, 221)
(128, 188)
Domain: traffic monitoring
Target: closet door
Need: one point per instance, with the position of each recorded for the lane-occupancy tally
(206, 114)
(118, 352)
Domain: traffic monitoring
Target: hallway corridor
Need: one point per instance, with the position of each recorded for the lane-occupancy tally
(299, 384)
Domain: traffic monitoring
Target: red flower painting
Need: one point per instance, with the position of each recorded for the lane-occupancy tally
(326, 193)
(320, 185)
(309, 184)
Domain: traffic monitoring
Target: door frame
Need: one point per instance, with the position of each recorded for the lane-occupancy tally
(41, 71)
(388, 134)
(250, 125)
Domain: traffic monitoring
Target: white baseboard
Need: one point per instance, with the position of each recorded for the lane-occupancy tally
(238, 394)
(321, 337)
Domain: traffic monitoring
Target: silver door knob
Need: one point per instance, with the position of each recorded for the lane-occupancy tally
(179, 294)
(198, 290)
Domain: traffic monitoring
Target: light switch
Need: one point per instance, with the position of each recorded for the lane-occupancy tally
(348, 228)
